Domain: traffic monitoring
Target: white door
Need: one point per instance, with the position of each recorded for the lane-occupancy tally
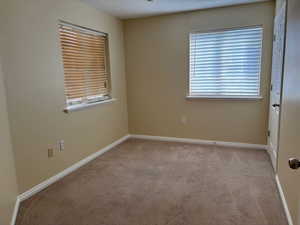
(289, 144)
(276, 81)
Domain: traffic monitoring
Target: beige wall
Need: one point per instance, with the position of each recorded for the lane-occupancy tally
(8, 183)
(157, 70)
(35, 85)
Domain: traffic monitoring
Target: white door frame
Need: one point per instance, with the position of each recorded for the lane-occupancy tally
(281, 10)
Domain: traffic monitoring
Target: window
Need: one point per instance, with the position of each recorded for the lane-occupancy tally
(85, 60)
(226, 64)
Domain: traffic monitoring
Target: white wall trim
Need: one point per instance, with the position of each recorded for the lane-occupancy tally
(284, 202)
(199, 141)
(69, 170)
(15, 212)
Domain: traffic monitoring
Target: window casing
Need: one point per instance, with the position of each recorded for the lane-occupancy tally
(86, 64)
(226, 64)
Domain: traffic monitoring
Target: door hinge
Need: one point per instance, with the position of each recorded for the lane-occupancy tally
(274, 37)
(271, 87)
(269, 133)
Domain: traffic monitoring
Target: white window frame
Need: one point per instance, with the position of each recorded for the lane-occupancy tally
(238, 97)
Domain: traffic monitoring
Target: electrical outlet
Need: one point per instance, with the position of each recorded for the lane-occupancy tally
(61, 145)
(183, 120)
(50, 152)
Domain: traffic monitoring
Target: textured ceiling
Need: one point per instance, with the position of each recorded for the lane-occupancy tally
(140, 8)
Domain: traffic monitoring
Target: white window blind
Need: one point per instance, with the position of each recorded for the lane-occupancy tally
(226, 63)
(85, 60)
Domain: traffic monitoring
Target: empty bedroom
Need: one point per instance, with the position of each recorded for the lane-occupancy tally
(149, 112)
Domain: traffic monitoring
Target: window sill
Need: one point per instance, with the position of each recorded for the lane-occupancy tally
(78, 107)
(226, 97)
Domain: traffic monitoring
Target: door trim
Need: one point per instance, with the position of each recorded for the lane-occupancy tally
(283, 200)
(274, 157)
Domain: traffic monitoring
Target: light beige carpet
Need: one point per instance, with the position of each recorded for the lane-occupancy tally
(158, 183)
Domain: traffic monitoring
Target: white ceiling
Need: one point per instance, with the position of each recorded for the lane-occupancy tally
(125, 9)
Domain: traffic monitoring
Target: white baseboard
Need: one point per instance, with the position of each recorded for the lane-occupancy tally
(199, 141)
(15, 212)
(69, 170)
(284, 202)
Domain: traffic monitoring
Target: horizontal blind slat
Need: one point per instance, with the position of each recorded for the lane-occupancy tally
(226, 33)
(224, 52)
